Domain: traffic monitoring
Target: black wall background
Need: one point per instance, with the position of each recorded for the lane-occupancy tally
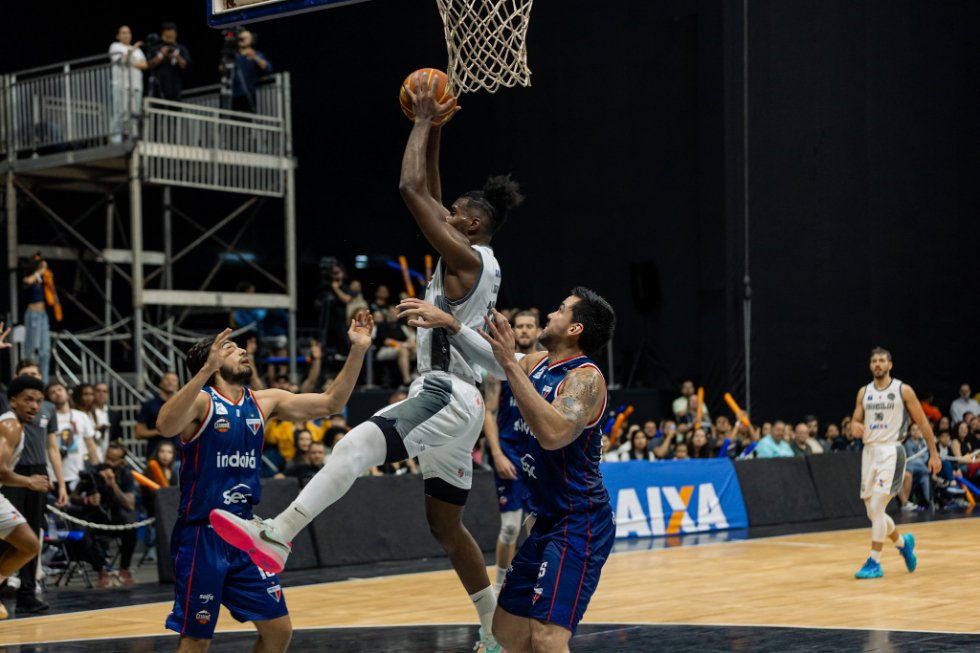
(863, 172)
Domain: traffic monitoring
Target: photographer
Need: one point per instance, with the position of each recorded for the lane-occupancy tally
(167, 61)
(107, 496)
(241, 67)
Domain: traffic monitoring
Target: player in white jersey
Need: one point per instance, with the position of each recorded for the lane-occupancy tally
(25, 394)
(881, 418)
(441, 419)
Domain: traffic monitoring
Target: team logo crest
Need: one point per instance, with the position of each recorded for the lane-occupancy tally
(203, 617)
(219, 408)
(222, 425)
(891, 396)
(275, 592)
(253, 425)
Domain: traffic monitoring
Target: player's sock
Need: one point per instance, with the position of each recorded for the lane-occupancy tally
(485, 602)
(900, 542)
(501, 575)
(876, 555)
(360, 450)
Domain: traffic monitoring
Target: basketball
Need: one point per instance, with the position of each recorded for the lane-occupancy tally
(430, 76)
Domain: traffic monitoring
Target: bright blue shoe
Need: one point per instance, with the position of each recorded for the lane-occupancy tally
(908, 552)
(871, 569)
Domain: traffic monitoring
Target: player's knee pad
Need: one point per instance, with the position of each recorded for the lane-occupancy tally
(510, 526)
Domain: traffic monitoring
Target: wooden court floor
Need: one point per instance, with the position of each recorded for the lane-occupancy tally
(797, 580)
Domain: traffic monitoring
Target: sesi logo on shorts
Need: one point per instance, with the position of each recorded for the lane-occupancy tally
(241, 493)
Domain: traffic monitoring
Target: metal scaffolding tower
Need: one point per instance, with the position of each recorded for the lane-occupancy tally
(79, 126)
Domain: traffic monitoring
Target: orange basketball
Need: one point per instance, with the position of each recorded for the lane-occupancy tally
(430, 76)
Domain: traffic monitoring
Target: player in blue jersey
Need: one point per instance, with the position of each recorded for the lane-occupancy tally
(502, 426)
(562, 396)
(221, 423)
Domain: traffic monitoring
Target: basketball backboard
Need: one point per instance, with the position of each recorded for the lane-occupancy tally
(222, 13)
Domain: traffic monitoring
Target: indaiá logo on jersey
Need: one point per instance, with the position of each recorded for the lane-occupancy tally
(238, 459)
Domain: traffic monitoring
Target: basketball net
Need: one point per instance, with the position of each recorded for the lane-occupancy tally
(486, 43)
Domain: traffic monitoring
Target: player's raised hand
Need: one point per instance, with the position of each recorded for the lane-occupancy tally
(3, 337)
(360, 330)
(423, 315)
(501, 337)
(220, 351)
(426, 108)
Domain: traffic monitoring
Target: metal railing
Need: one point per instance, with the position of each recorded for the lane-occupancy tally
(270, 97)
(74, 104)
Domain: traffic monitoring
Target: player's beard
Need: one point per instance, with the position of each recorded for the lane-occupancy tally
(546, 340)
(240, 377)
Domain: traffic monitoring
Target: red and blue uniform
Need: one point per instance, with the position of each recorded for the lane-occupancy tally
(556, 571)
(220, 469)
(511, 494)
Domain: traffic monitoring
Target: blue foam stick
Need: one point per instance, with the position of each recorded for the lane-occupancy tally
(723, 451)
(968, 485)
(749, 449)
(418, 276)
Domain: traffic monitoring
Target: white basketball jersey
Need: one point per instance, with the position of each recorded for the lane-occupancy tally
(885, 417)
(434, 351)
(19, 449)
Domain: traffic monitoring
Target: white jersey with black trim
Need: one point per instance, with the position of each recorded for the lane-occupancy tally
(19, 449)
(885, 417)
(434, 350)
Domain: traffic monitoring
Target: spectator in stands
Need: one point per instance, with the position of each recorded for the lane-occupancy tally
(650, 429)
(963, 404)
(146, 420)
(846, 440)
(687, 391)
(83, 399)
(829, 436)
(800, 443)
(680, 451)
(663, 445)
(108, 497)
(37, 336)
(128, 64)
(336, 296)
(723, 428)
(686, 423)
(76, 435)
(357, 301)
(700, 446)
(813, 426)
(315, 459)
(637, 446)
(932, 413)
(107, 421)
(394, 341)
(250, 66)
(944, 424)
(775, 445)
(168, 61)
(609, 455)
(916, 465)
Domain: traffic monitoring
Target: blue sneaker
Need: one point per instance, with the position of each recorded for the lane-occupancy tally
(487, 644)
(871, 569)
(908, 552)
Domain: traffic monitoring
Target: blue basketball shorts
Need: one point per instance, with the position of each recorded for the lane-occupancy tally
(510, 494)
(209, 573)
(556, 571)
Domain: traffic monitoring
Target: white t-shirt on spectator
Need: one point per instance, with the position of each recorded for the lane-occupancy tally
(118, 53)
(73, 427)
(961, 407)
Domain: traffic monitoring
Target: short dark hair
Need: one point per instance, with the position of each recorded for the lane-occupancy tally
(168, 25)
(881, 351)
(24, 382)
(197, 356)
(24, 363)
(527, 313)
(119, 446)
(318, 443)
(331, 435)
(597, 317)
(53, 384)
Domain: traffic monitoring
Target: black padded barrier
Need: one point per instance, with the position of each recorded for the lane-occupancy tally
(837, 479)
(778, 491)
(381, 518)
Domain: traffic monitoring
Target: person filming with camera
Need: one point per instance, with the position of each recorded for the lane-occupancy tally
(244, 65)
(168, 60)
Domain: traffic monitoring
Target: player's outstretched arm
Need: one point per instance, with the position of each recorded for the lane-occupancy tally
(310, 405)
(857, 419)
(419, 178)
(919, 417)
(578, 402)
(182, 412)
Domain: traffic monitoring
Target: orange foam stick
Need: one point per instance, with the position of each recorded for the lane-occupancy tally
(428, 268)
(145, 481)
(617, 426)
(730, 400)
(157, 473)
(409, 288)
(700, 403)
(628, 412)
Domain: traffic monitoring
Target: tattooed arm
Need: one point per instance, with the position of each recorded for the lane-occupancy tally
(576, 405)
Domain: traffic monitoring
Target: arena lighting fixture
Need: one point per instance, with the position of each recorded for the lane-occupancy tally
(222, 13)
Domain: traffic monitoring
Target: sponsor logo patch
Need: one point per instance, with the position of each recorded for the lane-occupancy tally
(203, 617)
(222, 425)
(206, 597)
(241, 493)
(219, 408)
(253, 424)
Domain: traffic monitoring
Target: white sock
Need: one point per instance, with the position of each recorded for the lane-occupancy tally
(497, 584)
(485, 602)
(876, 555)
(358, 451)
(900, 542)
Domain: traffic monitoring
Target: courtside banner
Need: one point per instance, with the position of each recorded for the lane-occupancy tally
(673, 497)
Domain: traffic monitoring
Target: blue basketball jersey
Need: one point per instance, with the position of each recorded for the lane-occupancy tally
(219, 466)
(567, 480)
(510, 424)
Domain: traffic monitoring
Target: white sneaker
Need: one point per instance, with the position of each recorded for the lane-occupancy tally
(256, 537)
(487, 644)
(908, 506)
